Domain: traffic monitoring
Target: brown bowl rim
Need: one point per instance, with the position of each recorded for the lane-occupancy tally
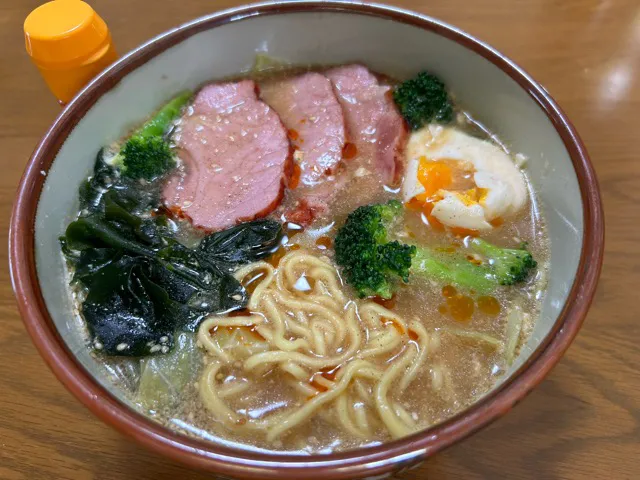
(253, 465)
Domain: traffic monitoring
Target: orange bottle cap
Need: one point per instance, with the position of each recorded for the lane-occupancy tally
(64, 31)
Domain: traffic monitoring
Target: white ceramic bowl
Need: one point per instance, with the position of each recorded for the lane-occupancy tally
(388, 40)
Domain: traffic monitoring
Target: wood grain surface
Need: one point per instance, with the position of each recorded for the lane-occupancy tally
(582, 422)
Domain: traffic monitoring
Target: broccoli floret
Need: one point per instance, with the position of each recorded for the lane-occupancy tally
(508, 265)
(370, 262)
(373, 263)
(146, 154)
(423, 99)
(146, 157)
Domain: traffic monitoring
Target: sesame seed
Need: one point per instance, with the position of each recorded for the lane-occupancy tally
(164, 349)
(121, 346)
(155, 348)
(164, 339)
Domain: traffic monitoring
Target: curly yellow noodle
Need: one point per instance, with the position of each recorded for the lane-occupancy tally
(342, 407)
(308, 334)
(360, 415)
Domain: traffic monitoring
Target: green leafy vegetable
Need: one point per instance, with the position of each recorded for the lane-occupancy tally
(422, 100)
(373, 263)
(165, 377)
(141, 291)
(264, 62)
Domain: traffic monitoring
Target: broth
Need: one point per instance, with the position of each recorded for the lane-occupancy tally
(466, 346)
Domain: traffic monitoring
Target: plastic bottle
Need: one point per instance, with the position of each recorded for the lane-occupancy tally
(69, 43)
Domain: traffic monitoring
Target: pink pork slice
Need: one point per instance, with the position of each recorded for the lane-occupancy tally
(236, 158)
(373, 122)
(308, 107)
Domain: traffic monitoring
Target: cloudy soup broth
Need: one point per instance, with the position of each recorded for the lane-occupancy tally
(307, 259)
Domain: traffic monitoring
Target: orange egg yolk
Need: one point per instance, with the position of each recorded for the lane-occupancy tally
(433, 176)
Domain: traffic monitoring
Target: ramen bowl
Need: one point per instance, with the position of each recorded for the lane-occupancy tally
(396, 42)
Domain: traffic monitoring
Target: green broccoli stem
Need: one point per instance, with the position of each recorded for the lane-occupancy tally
(509, 265)
(453, 269)
(158, 124)
(485, 248)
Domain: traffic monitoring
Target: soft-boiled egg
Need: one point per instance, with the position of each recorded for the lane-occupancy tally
(460, 181)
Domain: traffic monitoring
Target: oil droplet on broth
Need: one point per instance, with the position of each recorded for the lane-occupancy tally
(489, 305)
(449, 291)
(460, 307)
(394, 323)
(388, 303)
(274, 259)
(324, 242)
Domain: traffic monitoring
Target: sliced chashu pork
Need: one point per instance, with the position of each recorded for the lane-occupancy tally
(235, 155)
(377, 134)
(373, 122)
(308, 107)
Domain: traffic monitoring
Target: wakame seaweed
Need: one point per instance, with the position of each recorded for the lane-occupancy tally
(136, 196)
(241, 244)
(141, 284)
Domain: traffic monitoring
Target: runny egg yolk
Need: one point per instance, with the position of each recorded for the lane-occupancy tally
(434, 176)
(472, 196)
(438, 175)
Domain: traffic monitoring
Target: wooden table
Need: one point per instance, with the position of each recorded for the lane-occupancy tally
(582, 422)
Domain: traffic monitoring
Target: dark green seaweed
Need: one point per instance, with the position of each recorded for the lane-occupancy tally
(242, 244)
(141, 284)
